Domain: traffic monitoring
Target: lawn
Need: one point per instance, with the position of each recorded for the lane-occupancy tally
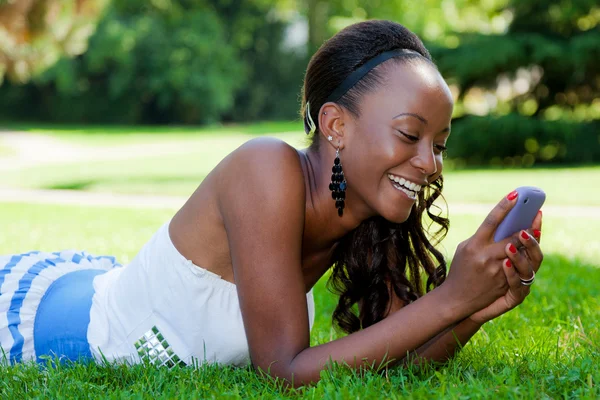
(549, 347)
(173, 161)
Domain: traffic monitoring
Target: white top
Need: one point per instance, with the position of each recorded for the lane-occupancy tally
(173, 309)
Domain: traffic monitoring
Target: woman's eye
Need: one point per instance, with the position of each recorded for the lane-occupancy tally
(440, 148)
(409, 137)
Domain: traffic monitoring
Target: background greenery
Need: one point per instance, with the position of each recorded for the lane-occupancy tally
(526, 80)
(525, 73)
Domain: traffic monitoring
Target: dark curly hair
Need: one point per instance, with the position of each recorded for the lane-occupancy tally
(378, 256)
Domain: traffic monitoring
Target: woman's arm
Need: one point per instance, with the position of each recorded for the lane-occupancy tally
(445, 345)
(262, 201)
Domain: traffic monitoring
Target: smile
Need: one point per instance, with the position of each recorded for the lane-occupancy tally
(411, 189)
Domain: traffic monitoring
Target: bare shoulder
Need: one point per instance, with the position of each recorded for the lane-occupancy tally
(262, 203)
(264, 169)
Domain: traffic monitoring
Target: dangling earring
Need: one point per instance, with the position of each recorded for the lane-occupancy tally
(338, 184)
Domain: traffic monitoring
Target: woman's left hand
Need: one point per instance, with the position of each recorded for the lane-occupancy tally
(520, 265)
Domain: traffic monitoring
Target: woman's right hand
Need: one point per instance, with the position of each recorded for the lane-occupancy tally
(476, 277)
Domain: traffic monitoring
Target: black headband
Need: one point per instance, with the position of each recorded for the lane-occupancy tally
(364, 69)
(352, 79)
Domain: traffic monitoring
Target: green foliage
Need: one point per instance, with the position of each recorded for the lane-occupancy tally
(157, 65)
(274, 72)
(567, 64)
(545, 78)
(34, 34)
(515, 140)
(163, 61)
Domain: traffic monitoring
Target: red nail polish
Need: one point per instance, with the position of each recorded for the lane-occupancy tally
(537, 233)
(508, 263)
(512, 248)
(512, 195)
(525, 235)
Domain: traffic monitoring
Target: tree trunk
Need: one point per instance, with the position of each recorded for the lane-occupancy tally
(318, 15)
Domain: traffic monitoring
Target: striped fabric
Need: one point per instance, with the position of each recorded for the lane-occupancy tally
(24, 279)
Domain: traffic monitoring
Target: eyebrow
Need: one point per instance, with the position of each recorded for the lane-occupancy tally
(420, 118)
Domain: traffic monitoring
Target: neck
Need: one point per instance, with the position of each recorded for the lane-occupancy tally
(327, 226)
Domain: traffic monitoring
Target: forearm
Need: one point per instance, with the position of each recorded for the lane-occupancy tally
(445, 345)
(389, 339)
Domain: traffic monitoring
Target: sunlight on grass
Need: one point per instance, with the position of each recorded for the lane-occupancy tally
(189, 154)
(108, 135)
(563, 186)
(5, 151)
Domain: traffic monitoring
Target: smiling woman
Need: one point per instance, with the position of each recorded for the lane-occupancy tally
(229, 278)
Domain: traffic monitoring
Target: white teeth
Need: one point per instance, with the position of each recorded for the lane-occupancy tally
(409, 193)
(407, 184)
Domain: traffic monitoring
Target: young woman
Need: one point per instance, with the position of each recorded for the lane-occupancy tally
(229, 278)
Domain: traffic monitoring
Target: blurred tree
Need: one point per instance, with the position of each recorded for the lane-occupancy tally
(153, 61)
(274, 69)
(34, 34)
(163, 61)
(544, 66)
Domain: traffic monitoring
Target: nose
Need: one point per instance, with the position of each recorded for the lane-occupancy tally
(425, 159)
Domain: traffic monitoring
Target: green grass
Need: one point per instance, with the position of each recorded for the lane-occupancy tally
(5, 151)
(110, 135)
(549, 347)
(563, 186)
(200, 149)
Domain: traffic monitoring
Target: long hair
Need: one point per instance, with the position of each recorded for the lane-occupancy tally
(378, 257)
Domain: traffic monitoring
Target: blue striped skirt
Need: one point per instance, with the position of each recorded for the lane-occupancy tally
(45, 302)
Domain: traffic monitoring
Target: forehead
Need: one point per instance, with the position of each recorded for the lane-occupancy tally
(412, 86)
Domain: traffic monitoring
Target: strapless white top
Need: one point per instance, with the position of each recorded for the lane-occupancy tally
(163, 308)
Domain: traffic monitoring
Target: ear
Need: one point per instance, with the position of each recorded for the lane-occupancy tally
(332, 120)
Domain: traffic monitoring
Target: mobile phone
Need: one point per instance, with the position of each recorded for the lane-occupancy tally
(521, 216)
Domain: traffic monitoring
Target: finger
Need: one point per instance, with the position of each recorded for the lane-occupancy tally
(519, 261)
(488, 227)
(497, 251)
(536, 226)
(532, 249)
(512, 277)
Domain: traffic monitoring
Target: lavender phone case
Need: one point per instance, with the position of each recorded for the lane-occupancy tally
(530, 200)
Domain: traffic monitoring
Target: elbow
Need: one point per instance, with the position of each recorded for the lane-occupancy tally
(285, 375)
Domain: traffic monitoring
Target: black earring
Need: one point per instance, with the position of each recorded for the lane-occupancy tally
(338, 184)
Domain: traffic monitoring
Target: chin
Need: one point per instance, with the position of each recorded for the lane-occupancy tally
(397, 216)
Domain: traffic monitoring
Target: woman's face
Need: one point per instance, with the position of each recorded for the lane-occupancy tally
(394, 149)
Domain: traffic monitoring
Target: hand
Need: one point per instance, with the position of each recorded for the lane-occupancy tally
(476, 278)
(520, 264)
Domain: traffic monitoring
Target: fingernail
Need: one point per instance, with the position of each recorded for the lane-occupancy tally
(512, 248)
(537, 233)
(512, 195)
(525, 235)
(507, 263)
(540, 212)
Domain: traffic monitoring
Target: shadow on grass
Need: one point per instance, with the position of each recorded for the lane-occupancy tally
(88, 184)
